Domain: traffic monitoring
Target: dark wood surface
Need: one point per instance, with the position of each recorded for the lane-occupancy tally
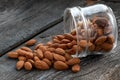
(18, 28)
(21, 20)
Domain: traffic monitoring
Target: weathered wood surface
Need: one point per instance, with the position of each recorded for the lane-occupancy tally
(104, 67)
(21, 20)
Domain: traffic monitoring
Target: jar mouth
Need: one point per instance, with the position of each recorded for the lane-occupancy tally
(71, 18)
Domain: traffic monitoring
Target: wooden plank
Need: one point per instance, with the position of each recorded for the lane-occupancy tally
(21, 20)
(105, 67)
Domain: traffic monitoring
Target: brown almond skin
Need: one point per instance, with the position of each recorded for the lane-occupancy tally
(59, 65)
(69, 45)
(26, 49)
(21, 52)
(37, 46)
(30, 42)
(13, 55)
(65, 41)
(67, 56)
(39, 53)
(36, 58)
(31, 61)
(51, 49)
(100, 40)
(43, 48)
(28, 66)
(63, 46)
(83, 43)
(60, 37)
(60, 51)
(29, 55)
(49, 43)
(91, 46)
(69, 36)
(55, 45)
(19, 65)
(110, 39)
(107, 47)
(41, 65)
(56, 41)
(100, 32)
(58, 57)
(48, 55)
(47, 61)
(76, 68)
(22, 58)
(73, 61)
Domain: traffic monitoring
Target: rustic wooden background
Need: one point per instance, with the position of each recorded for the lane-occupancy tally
(21, 20)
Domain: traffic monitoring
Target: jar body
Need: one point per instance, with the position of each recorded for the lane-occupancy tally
(95, 28)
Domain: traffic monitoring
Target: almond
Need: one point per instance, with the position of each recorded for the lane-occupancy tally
(98, 48)
(107, 47)
(110, 39)
(30, 42)
(51, 49)
(73, 61)
(41, 65)
(58, 57)
(19, 65)
(100, 40)
(108, 30)
(59, 65)
(91, 46)
(31, 61)
(69, 36)
(63, 46)
(49, 43)
(60, 51)
(39, 53)
(65, 41)
(28, 66)
(83, 43)
(76, 68)
(43, 48)
(60, 37)
(100, 32)
(12, 55)
(48, 55)
(29, 55)
(67, 56)
(69, 45)
(26, 49)
(22, 58)
(55, 45)
(47, 61)
(56, 41)
(36, 58)
(37, 46)
(21, 52)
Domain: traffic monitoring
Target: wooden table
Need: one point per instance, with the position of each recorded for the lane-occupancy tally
(22, 20)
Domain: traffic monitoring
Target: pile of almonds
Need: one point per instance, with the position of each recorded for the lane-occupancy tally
(58, 52)
(43, 57)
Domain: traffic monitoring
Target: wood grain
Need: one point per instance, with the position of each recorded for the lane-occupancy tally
(21, 20)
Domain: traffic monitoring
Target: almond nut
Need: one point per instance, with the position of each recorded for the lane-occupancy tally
(22, 58)
(28, 66)
(107, 47)
(19, 65)
(12, 55)
(100, 40)
(58, 57)
(39, 53)
(41, 65)
(47, 61)
(48, 55)
(26, 49)
(30, 42)
(76, 68)
(60, 51)
(59, 65)
(73, 61)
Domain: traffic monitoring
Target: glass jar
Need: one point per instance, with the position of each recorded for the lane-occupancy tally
(94, 27)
